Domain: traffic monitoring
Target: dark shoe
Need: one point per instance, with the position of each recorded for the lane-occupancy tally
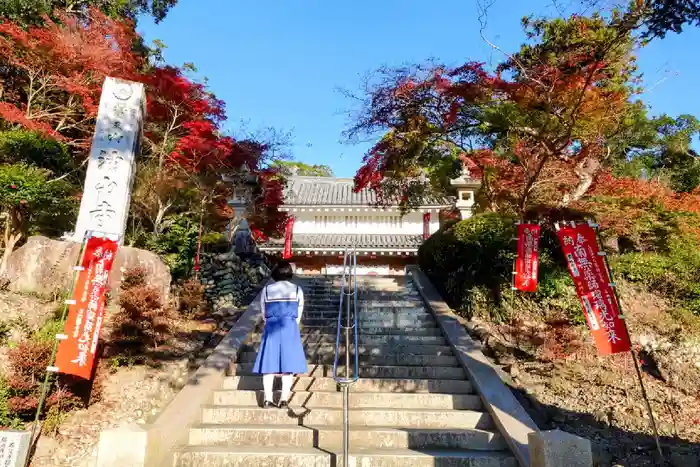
(268, 405)
(283, 405)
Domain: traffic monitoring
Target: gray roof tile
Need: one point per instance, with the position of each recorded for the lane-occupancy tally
(340, 241)
(328, 191)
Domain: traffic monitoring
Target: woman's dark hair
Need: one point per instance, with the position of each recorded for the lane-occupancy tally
(282, 271)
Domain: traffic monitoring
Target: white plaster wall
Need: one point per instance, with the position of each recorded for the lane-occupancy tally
(361, 222)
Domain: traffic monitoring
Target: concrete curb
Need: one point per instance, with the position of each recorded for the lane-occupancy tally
(510, 417)
(154, 445)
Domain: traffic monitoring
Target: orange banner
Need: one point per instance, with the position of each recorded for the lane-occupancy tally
(76, 353)
(590, 274)
(527, 261)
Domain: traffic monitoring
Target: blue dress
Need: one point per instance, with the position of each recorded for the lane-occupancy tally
(281, 350)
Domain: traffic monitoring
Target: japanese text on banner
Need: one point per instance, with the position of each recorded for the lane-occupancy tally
(527, 261)
(76, 354)
(590, 274)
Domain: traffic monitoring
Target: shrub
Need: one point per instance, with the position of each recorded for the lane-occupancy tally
(191, 300)
(474, 253)
(675, 273)
(142, 323)
(177, 244)
(21, 389)
(472, 263)
(215, 242)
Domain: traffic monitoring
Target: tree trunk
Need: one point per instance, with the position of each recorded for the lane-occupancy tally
(13, 234)
(162, 210)
(586, 171)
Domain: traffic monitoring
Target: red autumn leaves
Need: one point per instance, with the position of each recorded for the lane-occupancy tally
(64, 63)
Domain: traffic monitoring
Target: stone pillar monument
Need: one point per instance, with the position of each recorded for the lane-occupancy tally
(115, 145)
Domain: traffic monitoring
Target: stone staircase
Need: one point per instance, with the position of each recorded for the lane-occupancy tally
(412, 406)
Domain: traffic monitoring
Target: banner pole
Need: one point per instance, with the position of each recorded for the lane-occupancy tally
(652, 420)
(45, 385)
(516, 238)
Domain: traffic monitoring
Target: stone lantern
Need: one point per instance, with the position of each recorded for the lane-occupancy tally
(466, 188)
(244, 185)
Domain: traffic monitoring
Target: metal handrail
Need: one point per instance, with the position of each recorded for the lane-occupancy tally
(349, 272)
(349, 282)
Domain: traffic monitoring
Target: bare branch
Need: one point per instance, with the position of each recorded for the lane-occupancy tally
(483, 19)
(82, 164)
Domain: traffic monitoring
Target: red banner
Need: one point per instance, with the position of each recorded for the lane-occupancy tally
(590, 274)
(426, 225)
(527, 261)
(289, 229)
(76, 354)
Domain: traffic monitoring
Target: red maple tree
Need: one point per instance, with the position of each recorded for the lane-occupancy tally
(54, 73)
(188, 149)
(266, 218)
(635, 198)
(52, 82)
(536, 130)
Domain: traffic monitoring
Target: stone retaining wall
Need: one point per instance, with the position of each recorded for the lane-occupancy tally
(229, 280)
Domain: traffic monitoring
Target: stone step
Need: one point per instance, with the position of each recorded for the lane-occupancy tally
(400, 372)
(397, 386)
(330, 438)
(372, 295)
(419, 319)
(373, 350)
(373, 303)
(431, 458)
(368, 339)
(374, 284)
(373, 322)
(248, 456)
(390, 359)
(384, 322)
(357, 400)
(430, 335)
(363, 294)
(229, 456)
(399, 418)
(394, 360)
(282, 436)
(373, 312)
(408, 331)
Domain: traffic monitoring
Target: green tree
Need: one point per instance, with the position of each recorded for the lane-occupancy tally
(31, 11)
(663, 16)
(30, 202)
(288, 168)
(30, 147)
(661, 148)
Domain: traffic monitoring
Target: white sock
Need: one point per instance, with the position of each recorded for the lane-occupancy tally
(268, 383)
(286, 387)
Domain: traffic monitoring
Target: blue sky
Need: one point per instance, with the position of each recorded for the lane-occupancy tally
(280, 63)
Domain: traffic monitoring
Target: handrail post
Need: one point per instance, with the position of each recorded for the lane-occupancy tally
(349, 281)
(346, 424)
(347, 334)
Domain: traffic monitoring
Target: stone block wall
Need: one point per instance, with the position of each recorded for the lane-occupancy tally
(230, 280)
